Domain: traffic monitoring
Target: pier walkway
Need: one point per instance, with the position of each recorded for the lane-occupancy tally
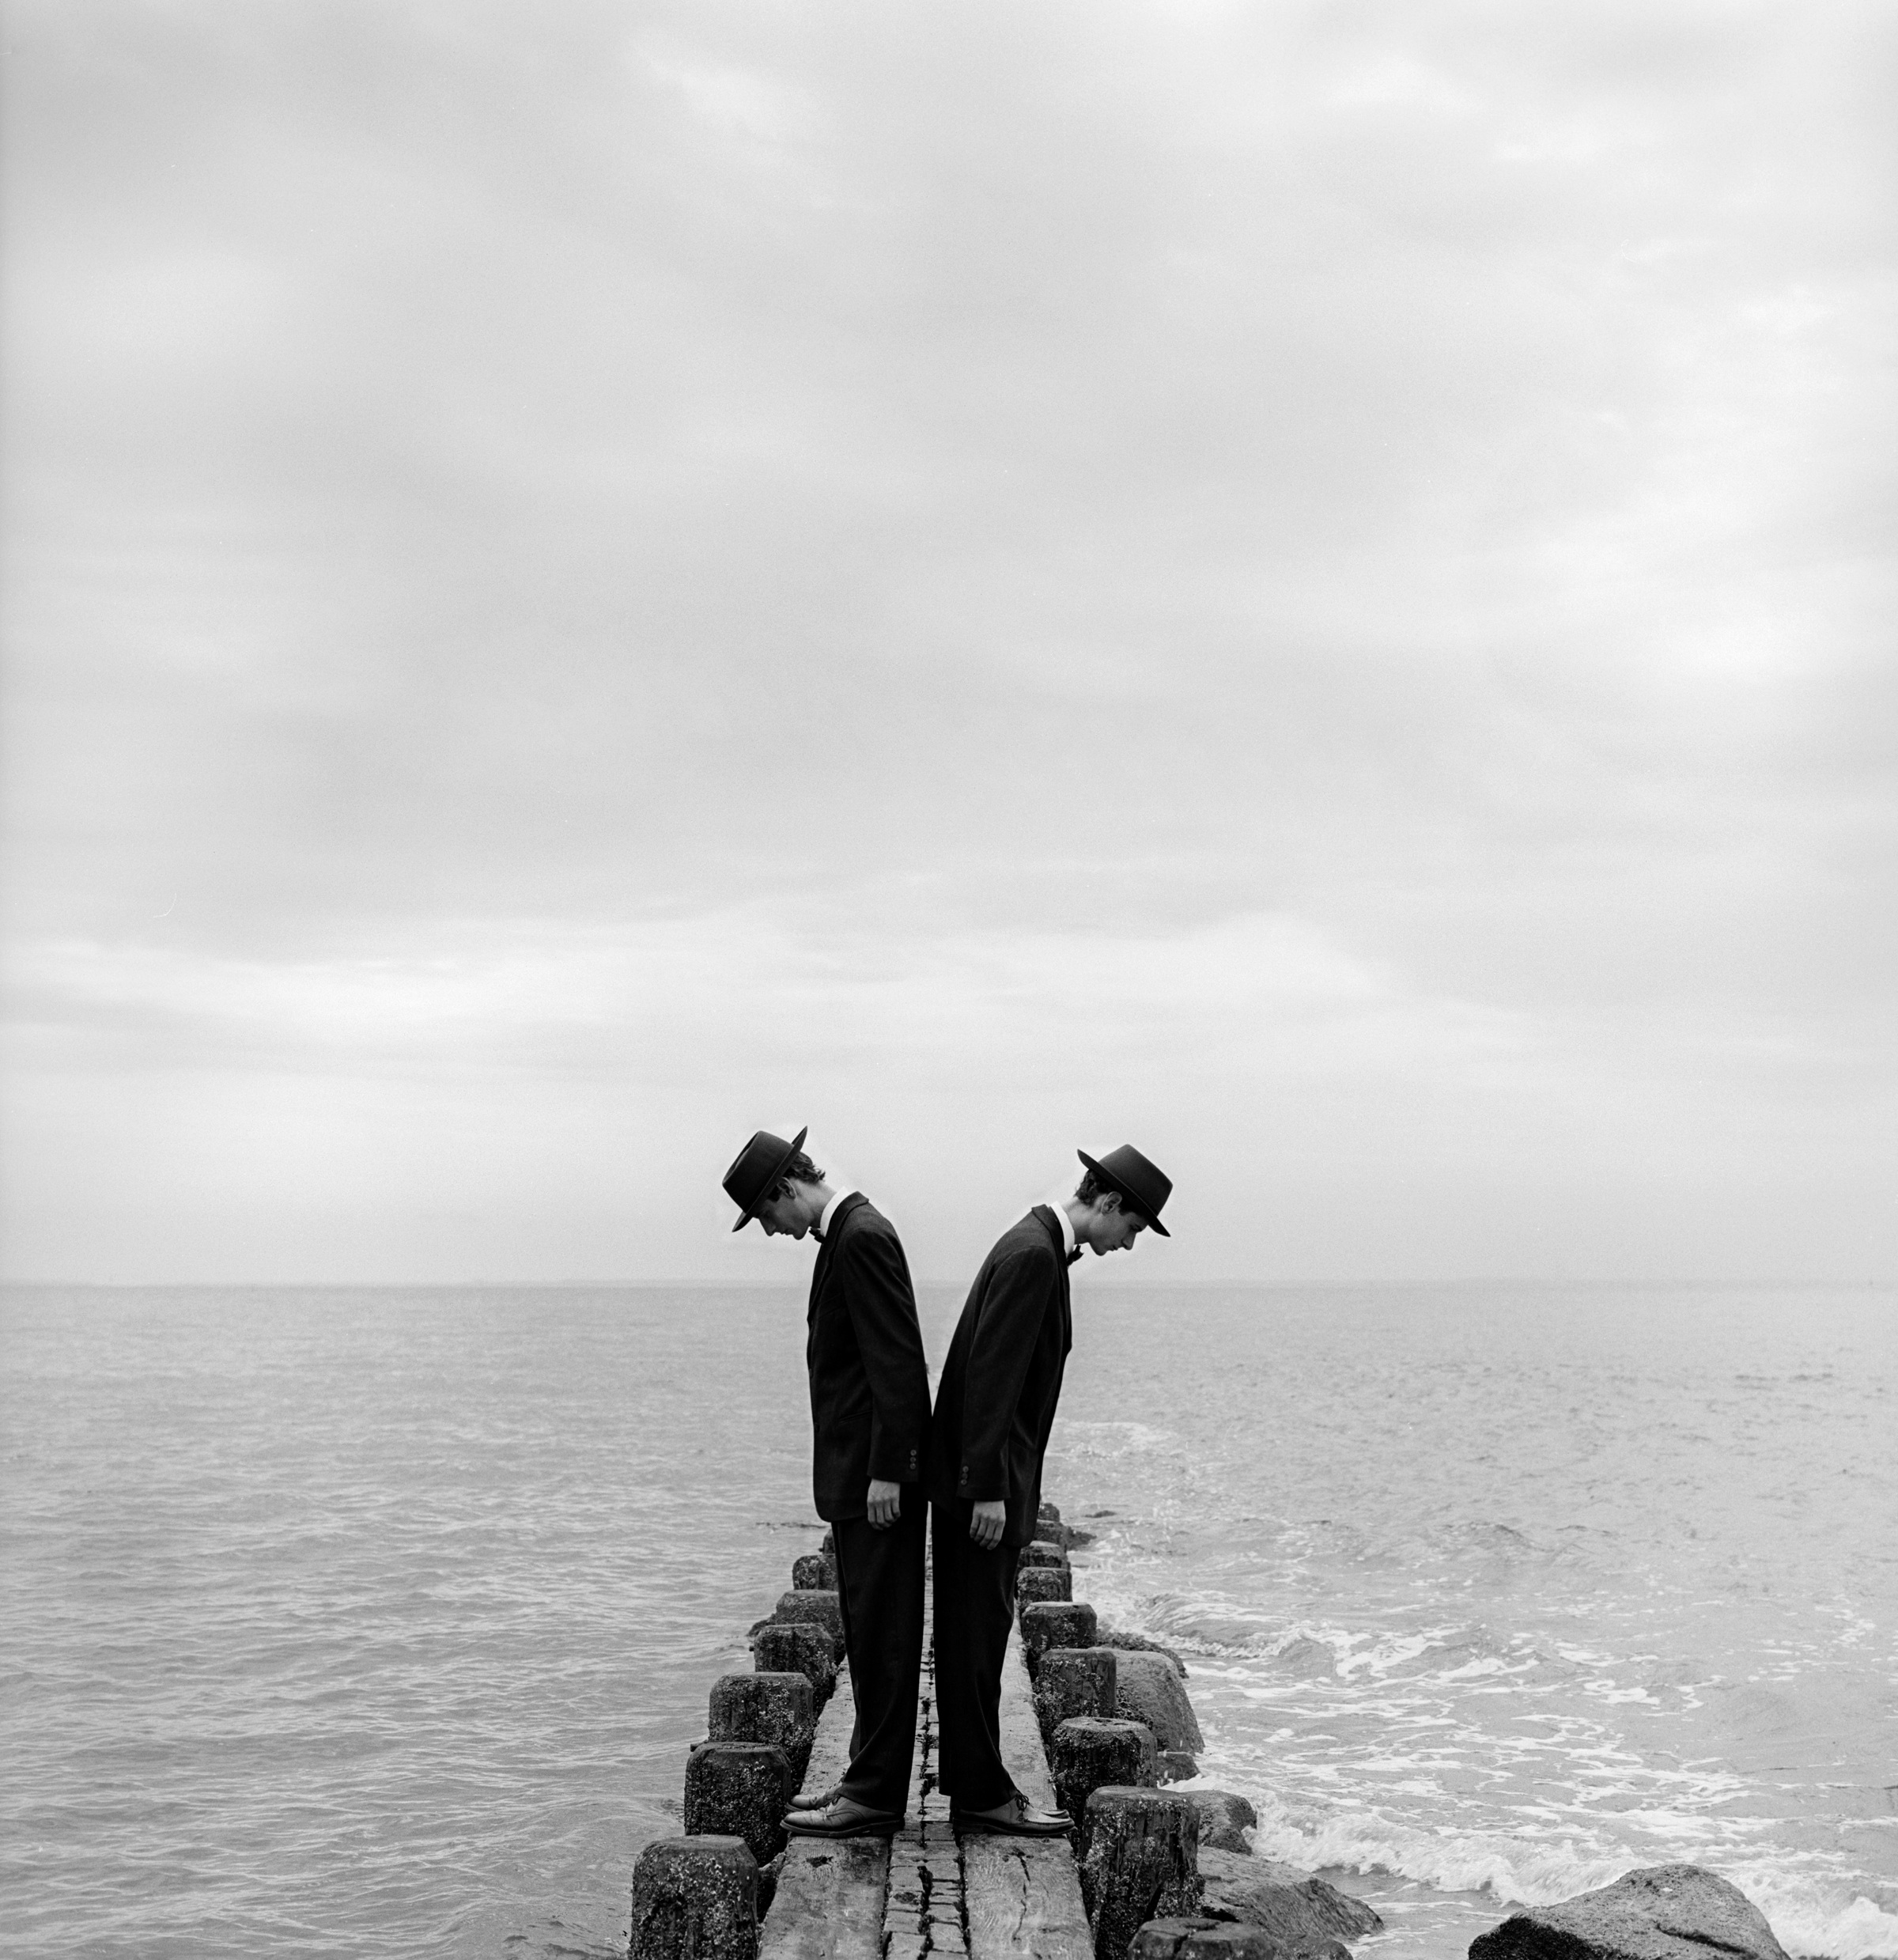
(922, 1895)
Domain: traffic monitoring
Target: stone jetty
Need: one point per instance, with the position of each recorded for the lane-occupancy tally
(1095, 1730)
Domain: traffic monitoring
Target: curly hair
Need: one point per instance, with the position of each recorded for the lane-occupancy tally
(800, 1170)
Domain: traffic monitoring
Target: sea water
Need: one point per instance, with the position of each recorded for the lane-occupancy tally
(378, 1621)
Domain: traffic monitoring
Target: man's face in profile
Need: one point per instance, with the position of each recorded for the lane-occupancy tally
(783, 1215)
(1119, 1228)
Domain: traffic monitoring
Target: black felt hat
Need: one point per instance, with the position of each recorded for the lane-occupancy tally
(1144, 1186)
(756, 1169)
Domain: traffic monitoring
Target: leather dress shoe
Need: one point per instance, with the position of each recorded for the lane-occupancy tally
(1012, 1819)
(843, 1819)
(819, 1800)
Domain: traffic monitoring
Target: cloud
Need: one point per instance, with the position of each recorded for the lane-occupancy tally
(1298, 574)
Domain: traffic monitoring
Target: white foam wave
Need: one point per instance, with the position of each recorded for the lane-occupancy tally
(1861, 1931)
(1520, 1871)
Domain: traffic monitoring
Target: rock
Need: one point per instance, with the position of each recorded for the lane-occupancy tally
(738, 1790)
(1290, 1904)
(1222, 1940)
(1040, 1553)
(1148, 1689)
(829, 1547)
(1139, 1864)
(1087, 1753)
(1223, 1818)
(815, 1608)
(1140, 1644)
(1049, 1623)
(1042, 1582)
(1048, 1528)
(1660, 1912)
(1072, 1681)
(695, 1898)
(777, 1709)
(813, 1573)
(782, 1647)
(768, 1876)
(1175, 1765)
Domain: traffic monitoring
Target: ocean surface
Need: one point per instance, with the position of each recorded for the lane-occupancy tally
(373, 1622)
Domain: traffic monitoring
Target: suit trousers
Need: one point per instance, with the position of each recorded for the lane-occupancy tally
(879, 1589)
(974, 1610)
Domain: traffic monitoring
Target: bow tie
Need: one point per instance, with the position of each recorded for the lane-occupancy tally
(1075, 1254)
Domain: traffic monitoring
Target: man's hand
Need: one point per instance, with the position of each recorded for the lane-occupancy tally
(886, 1503)
(987, 1522)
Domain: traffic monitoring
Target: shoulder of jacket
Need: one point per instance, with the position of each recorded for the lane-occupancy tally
(1025, 1244)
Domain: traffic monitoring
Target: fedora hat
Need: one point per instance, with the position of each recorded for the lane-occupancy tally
(756, 1169)
(1144, 1186)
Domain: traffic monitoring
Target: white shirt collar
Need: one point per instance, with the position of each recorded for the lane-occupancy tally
(1067, 1238)
(823, 1223)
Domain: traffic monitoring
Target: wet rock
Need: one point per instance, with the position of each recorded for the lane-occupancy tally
(1042, 1582)
(1131, 1643)
(814, 1609)
(1148, 1689)
(695, 1898)
(781, 1646)
(1223, 1818)
(1290, 1904)
(1050, 1529)
(1087, 1753)
(814, 1572)
(777, 1709)
(1139, 1864)
(1661, 1913)
(1222, 1939)
(1040, 1553)
(1072, 1681)
(1049, 1623)
(738, 1790)
(1176, 1766)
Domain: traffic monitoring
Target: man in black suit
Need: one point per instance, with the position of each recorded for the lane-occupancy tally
(870, 1420)
(994, 1409)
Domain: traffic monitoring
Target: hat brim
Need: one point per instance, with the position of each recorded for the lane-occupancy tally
(1133, 1197)
(770, 1183)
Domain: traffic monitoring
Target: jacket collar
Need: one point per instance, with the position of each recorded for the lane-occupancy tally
(846, 1205)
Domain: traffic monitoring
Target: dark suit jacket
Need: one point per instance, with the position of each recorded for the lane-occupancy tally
(995, 1406)
(869, 1384)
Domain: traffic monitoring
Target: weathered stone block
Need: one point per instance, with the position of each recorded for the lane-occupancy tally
(1141, 1864)
(814, 1609)
(1072, 1681)
(813, 1573)
(784, 1647)
(778, 1709)
(1221, 1940)
(738, 1790)
(695, 1898)
(1177, 1766)
(1087, 1752)
(1126, 1641)
(1042, 1582)
(1040, 1553)
(1224, 1818)
(1291, 1904)
(1147, 1689)
(1659, 1912)
(1049, 1623)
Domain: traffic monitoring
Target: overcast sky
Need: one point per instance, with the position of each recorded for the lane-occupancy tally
(1308, 586)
